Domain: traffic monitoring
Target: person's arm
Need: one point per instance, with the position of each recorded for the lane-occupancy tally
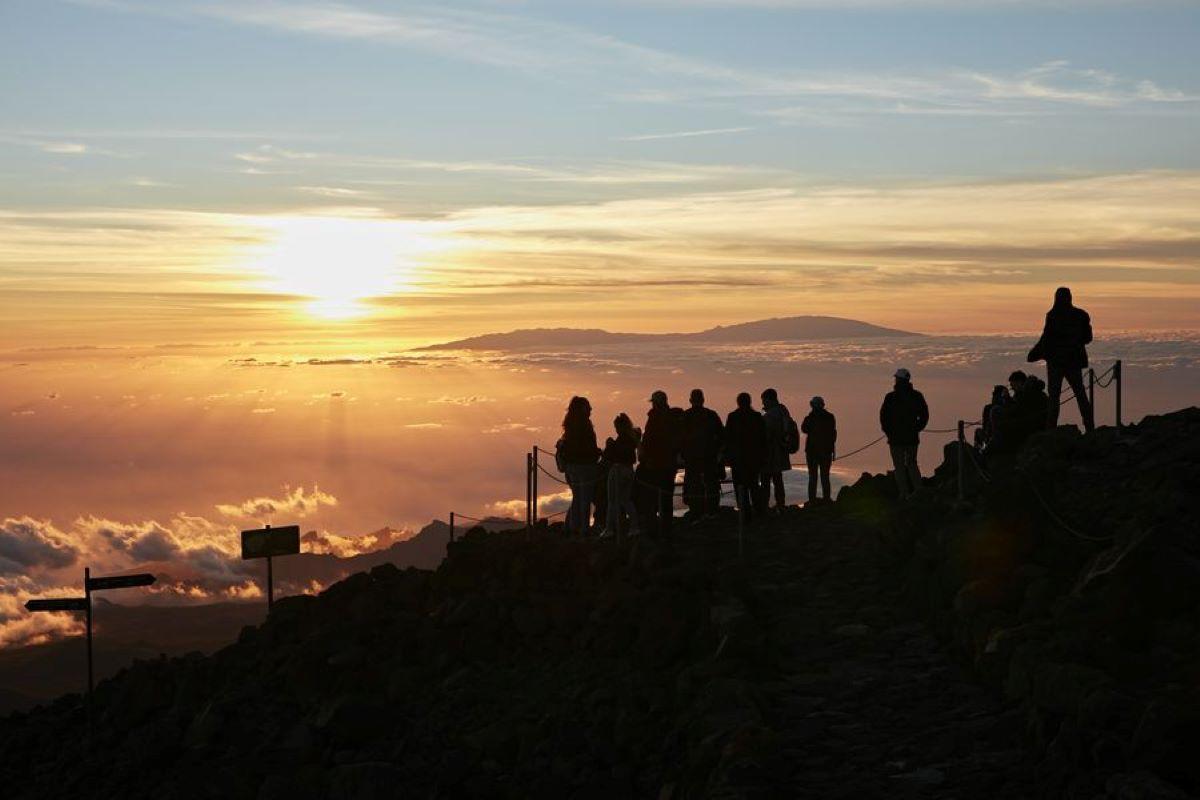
(833, 428)
(1087, 327)
(884, 413)
(804, 424)
(922, 412)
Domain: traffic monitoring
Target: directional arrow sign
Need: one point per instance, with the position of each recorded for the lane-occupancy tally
(119, 582)
(58, 604)
(267, 542)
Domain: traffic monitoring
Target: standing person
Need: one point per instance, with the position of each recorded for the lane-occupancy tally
(903, 415)
(820, 429)
(1063, 346)
(619, 454)
(577, 452)
(657, 464)
(746, 452)
(703, 435)
(782, 441)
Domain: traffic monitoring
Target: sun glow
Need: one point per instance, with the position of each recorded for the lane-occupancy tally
(340, 261)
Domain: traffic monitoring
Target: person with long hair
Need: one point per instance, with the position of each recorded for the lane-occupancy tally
(578, 454)
(620, 454)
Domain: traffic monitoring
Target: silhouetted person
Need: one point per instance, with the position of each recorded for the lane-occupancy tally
(903, 415)
(1063, 345)
(620, 454)
(820, 429)
(703, 437)
(657, 464)
(987, 434)
(1024, 415)
(779, 459)
(578, 453)
(746, 452)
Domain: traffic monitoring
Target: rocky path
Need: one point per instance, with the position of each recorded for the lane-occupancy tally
(867, 702)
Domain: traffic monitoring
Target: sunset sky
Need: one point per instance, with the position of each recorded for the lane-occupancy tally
(225, 225)
(195, 171)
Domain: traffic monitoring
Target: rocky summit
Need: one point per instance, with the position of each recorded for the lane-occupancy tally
(1036, 637)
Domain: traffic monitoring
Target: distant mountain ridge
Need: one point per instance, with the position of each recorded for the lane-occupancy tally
(778, 329)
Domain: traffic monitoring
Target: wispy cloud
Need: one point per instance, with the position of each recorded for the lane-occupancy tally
(646, 137)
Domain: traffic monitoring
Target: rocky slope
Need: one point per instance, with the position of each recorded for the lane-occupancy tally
(535, 665)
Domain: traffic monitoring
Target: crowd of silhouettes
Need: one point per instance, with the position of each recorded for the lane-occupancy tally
(629, 485)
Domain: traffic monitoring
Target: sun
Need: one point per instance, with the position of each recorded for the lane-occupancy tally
(338, 262)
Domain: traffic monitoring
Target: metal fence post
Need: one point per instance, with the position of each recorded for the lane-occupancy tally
(528, 490)
(1092, 389)
(962, 453)
(1120, 379)
(534, 478)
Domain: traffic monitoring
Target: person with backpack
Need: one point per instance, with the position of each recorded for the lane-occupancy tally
(903, 415)
(783, 439)
(703, 436)
(577, 455)
(820, 429)
(1063, 346)
(658, 462)
(746, 452)
(620, 454)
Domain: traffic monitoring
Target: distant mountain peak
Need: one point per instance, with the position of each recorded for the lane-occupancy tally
(776, 329)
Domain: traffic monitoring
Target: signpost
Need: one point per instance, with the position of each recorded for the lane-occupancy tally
(84, 604)
(267, 543)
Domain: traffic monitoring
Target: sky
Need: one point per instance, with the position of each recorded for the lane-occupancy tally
(225, 226)
(421, 171)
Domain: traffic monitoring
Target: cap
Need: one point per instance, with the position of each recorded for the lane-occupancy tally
(903, 374)
(658, 395)
(817, 402)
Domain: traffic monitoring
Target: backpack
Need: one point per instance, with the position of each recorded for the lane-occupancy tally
(560, 463)
(791, 436)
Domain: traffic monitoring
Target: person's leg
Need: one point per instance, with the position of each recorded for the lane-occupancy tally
(666, 500)
(900, 470)
(1086, 412)
(914, 470)
(1054, 382)
(587, 492)
(814, 464)
(693, 487)
(825, 463)
(573, 511)
(625, 481)
(612, 516)
(777, 482)
(758, 494)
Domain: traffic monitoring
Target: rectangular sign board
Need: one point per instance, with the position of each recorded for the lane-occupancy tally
(271, 542)
(58, 604)
(119, 582)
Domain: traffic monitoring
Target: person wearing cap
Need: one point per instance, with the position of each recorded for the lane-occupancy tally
(820, 429)
(658, 458)
(1063, 346)
(746, 452)
(703, 435)
(903, 415)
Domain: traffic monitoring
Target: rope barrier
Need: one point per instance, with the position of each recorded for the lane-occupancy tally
(1054, 516)
(468, 519)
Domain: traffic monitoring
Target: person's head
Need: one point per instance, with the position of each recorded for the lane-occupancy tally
(769, 397)
(1017, 380)
(743, 400)
(623, 424)
(696, 398)
(658, 399)
(999, 393)
(578, 410)
(903, 378)
(1062, 297)
(817, 403)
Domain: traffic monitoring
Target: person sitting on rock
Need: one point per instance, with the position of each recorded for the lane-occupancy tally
(1063, 346)
(903, 415)
(620, 454)
(1023, 416)
(820, 429)
(746, 453)
(986, 435)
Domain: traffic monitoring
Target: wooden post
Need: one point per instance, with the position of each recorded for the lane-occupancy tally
(534, 473)
(1092, 389)
(87, 593)
(451, 526)
(270, 580)
(962, 454)
(528, 491)
(1119, 379)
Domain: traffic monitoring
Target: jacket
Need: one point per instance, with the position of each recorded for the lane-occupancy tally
(778, 459)
(660, 442)
(1064, 338)
(621, 450)
(746, 440)
(703, 436)
(579, 445)
(903, 415)
(820, 428)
